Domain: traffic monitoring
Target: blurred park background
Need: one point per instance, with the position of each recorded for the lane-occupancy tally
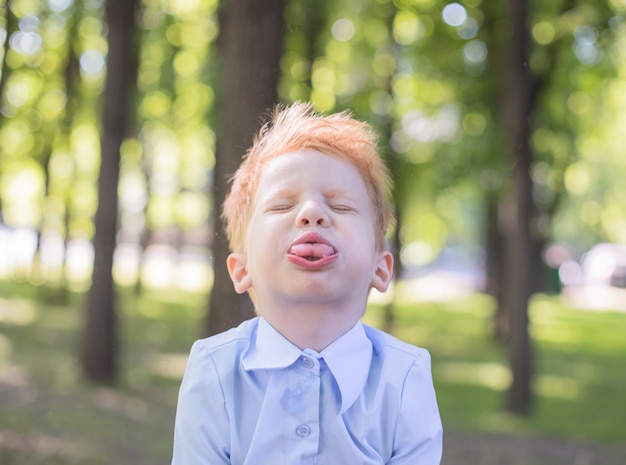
(503, 124)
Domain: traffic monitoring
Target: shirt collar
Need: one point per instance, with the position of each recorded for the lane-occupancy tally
(348, 358)
(270, 350)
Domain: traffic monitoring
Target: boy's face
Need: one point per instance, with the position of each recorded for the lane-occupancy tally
(311, 236)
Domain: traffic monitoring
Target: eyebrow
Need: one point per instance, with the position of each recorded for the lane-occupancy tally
(329, 193)
(279, 192)
(335, 193)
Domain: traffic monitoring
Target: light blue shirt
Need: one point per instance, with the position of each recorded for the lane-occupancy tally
(250, 397)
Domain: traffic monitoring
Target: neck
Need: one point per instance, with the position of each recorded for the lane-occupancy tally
(310, 327)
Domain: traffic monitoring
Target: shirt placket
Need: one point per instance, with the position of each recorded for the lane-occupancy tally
(301, 400)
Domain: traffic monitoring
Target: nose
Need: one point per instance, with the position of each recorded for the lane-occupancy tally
(312, 213)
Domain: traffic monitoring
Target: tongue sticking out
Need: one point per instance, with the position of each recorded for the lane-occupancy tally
(312, 251)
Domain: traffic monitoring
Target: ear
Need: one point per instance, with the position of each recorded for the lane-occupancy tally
(236, 264)
(384, 271)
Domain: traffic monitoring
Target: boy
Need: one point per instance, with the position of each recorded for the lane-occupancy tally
(305, 382)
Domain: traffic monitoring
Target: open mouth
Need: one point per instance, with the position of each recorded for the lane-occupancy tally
(312, 250)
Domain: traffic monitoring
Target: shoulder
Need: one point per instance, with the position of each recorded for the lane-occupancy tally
(389, 347)
(224, 349)
(401, 383)
(241, 335)
(398, 363)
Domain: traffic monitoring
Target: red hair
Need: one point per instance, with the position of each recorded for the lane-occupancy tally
(298, 127)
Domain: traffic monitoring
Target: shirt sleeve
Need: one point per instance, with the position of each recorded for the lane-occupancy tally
(419, 434)
(201, 432)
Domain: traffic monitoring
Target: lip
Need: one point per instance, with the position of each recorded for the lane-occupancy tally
(312, 237)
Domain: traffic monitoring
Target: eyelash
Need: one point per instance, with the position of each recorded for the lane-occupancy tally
(280, 208)
(341, 208)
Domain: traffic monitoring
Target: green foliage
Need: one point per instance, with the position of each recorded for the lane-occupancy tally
(425, 73)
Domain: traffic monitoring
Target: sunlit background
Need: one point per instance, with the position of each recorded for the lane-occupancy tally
(421, 72)
(49, 136)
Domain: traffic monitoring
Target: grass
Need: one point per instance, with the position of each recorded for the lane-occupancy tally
(50, 415)
(579, 360)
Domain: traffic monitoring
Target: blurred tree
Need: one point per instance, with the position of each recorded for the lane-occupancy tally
(518, 97)
(176, 148)
(534, 69)
(10, 26)
(99, 348)
(304, 40)
(59, 221)
(250, 49)
(381, 104)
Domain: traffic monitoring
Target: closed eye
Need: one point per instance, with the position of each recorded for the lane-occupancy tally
(280, 207)
(342, 208)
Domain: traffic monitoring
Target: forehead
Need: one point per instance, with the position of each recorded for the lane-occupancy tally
(310, 167)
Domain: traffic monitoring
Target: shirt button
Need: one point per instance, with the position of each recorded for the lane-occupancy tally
(302, 431)
(307, 362)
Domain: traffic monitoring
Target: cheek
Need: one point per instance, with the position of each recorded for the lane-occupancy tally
(256, 229)
(272, 227)
(364, 234)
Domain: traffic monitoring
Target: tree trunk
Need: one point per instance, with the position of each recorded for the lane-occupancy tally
(494, 265)
(315, 21)
(10, 26)
(396, 165)
(99, 347)
(250, 46)
(516, 107)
